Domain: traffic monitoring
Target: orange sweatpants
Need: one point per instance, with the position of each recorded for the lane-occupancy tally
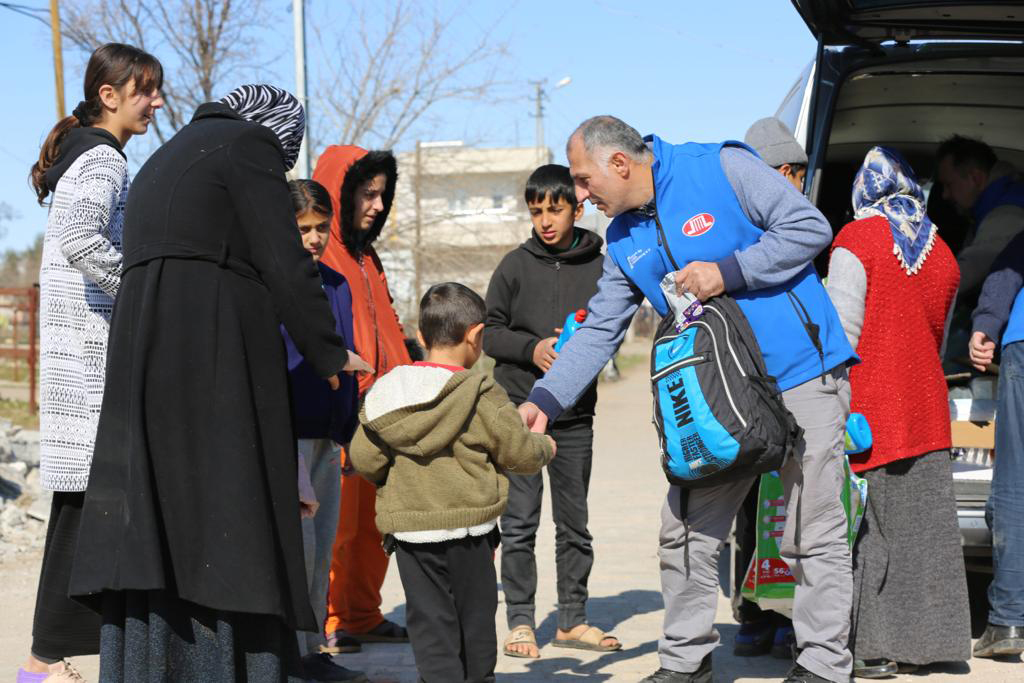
(359, 563)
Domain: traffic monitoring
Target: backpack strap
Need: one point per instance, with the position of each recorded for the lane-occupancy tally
(812, 329)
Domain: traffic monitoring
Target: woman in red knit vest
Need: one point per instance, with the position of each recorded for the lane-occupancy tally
(893, 281)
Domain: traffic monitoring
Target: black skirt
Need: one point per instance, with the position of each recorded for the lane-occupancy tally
(62, 627)
(156, 637)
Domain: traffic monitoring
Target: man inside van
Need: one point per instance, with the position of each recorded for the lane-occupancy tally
(989, 192)
(755, 239)
(777, 147)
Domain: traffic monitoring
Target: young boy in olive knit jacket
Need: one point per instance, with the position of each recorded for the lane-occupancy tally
(438, 442)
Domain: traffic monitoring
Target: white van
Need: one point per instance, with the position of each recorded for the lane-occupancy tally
(908, 74)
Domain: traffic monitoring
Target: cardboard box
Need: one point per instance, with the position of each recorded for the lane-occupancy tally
(973, 434)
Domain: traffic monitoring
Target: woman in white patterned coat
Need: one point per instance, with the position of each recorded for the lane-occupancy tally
(83, 170)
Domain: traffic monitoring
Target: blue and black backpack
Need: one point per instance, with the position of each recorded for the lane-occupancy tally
(718, 413)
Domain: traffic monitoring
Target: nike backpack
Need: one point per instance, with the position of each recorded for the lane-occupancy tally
(718, 414)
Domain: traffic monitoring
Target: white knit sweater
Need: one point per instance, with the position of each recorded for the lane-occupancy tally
(78, 280)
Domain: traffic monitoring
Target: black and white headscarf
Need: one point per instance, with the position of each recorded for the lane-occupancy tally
(274, 108)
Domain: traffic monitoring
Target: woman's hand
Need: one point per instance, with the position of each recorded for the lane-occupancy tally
(357, 364)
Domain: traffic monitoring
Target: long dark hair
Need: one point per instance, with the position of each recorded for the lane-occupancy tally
(309, 195)
(113, 64)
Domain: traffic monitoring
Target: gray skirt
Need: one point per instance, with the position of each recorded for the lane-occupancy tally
(910, 589)
(156, 637)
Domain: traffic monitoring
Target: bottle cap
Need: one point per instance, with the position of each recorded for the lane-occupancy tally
(581, 315)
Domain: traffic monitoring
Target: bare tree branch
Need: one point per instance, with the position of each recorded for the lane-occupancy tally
(394, 63)
(203, 44)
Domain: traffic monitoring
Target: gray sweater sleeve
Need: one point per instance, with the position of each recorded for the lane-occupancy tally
(794, 230)
(848, 289)
(994, 234)
(999, 291)
(593, 344)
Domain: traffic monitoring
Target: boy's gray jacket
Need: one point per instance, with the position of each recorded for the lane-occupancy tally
(438, 445)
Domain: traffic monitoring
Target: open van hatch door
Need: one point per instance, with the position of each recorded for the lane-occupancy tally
(842, 22)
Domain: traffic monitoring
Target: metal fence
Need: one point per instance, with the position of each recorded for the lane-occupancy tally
(19, 336)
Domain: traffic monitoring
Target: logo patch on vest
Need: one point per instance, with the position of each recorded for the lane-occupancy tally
(698, 225)
(636, 256)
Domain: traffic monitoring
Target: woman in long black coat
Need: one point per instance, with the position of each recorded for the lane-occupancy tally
(190, 539)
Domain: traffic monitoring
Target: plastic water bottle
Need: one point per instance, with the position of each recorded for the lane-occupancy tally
(685, 307)
(572, 323)
(858, 434)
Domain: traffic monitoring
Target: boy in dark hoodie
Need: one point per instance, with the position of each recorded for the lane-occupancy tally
(533, 290)
(438, 441)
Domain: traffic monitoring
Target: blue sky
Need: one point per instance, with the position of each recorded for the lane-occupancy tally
(685, 69)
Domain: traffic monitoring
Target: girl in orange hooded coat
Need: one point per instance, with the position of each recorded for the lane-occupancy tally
(362, 188)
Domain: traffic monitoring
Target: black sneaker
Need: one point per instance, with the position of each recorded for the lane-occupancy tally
(874, 668)
(785, 642)
(754, 638)
(701, 675)
(320, 667)
(1000, 641)
(798, 674)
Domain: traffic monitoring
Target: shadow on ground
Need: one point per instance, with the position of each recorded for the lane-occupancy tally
(607, 612)
(569, 668)
(948, 668)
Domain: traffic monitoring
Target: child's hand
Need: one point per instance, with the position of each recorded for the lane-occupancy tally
(554, 446)
(357, 364)
(533, 417)
(544, 353)
(308, 510)
(982, 351)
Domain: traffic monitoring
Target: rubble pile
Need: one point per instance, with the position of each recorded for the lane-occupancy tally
(24, 506)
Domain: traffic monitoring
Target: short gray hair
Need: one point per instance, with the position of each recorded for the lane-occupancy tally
(612, 134)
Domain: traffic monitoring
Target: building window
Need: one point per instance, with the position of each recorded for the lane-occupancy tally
(457, 201)
(498, 201)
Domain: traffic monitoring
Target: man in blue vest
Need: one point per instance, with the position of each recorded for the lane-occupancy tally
(734, 225)
(999, 317)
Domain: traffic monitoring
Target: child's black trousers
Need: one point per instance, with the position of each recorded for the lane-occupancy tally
(451, 597)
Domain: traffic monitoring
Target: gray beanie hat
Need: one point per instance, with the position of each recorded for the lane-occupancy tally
(773, 141)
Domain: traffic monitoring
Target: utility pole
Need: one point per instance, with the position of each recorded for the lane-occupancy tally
(58, 58)
(539, 95)
(299, 15)
(416, 260)
(539, 116)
